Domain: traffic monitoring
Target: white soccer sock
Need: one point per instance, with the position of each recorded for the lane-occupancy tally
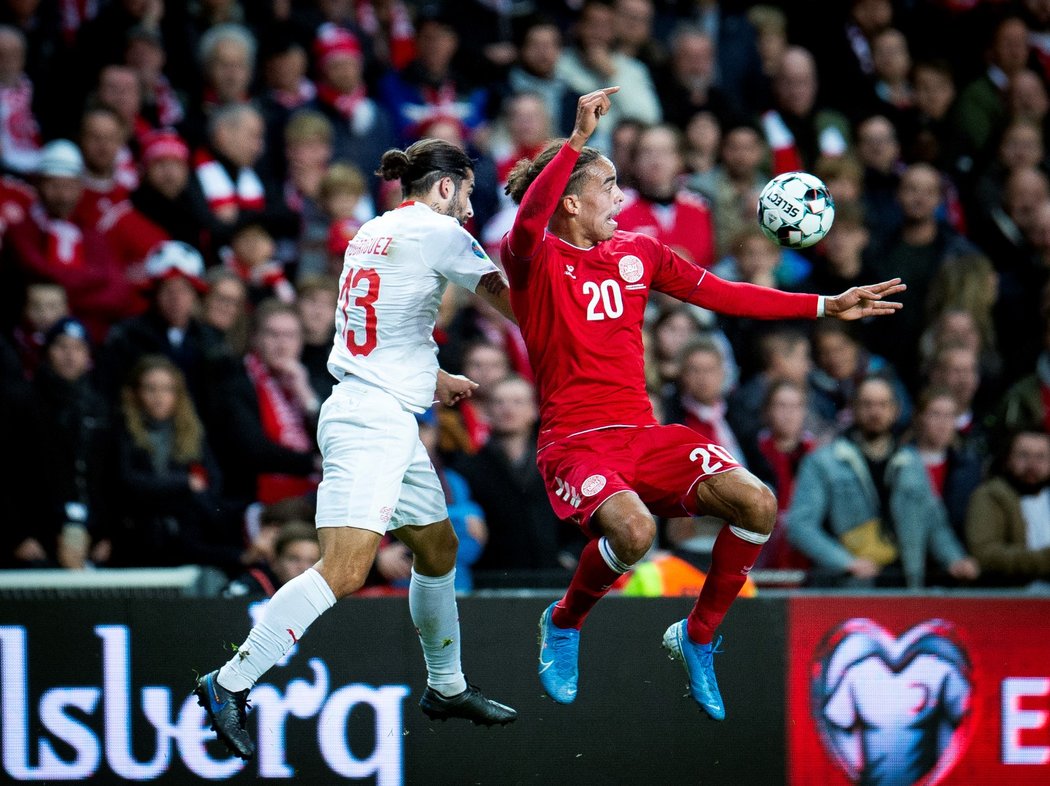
(432, 604)
(291, 610)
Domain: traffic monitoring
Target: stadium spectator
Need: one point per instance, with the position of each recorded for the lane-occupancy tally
(49, 246)
(797, 130)
(879, 152)
(523, 532)
(528, 127)
(106, 182)
(699, 398)
(286, 89)
(262, 412)
(929, 133)
(982, 108)
(162, 106)
(169, 327)
(296, 550)
(954, 468)
(539, 50)
(45, 304)
(703, 140)
(845, 54)
(776, 454)
(674, 328)
(785, 357)
(466, 428)
(864, 510)
(251, 255)
(344, 205)
(733, 186)
(307, 153)
(224, 307)
(227, 187)
(738, 65)
(120, 90)
(592, 62)
(169, 505)
(635, 33)
(1026, 405)
(363, 130)
(842, 362)
(70, 449)
(19, 131)
(316, 298)
(915, 253)
(1008, 522)
(160, 209)
(955, 367)
(227, 55)
(661, 207)
(891, 61)
(687, 84)
(430, 86)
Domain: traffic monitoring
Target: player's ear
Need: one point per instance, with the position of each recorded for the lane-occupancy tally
(445, 187)
(571, 203)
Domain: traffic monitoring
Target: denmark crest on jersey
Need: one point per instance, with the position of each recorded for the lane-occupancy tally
(592, 485)
(631, 268)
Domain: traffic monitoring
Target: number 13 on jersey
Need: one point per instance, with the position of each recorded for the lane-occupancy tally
(357, 303)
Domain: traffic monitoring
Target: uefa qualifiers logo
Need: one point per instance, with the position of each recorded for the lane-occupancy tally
(892, 711)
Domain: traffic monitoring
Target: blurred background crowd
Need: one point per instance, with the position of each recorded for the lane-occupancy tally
(180, 180)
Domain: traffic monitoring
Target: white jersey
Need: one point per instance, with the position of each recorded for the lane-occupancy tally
(394, 273)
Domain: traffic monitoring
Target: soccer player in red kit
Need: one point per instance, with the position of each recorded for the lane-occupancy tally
(579, 289)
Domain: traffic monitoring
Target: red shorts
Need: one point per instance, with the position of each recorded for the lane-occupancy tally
(661, 464)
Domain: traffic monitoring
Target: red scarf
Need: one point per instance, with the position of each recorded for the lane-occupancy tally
(283, 423)
(247, 192)
(65, 241)
(778, 552)
(343, 103)
(401, 40)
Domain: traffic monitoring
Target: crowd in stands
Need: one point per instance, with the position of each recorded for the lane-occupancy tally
(180, 181)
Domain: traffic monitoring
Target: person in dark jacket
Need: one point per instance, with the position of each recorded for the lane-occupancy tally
(70, 448)
(524, 533)
(170, 489)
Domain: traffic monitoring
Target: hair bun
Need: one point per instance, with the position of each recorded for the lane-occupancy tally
(393, 165)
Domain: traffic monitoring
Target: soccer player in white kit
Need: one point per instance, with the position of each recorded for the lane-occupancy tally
(377, 475)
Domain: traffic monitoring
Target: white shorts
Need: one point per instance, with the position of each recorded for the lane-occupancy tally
(377, 474)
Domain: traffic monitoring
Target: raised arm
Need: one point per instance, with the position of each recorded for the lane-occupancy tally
(541, 198)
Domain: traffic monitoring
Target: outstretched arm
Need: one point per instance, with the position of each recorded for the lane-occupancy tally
(541, 199)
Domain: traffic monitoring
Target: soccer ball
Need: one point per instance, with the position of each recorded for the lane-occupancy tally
(795, 209)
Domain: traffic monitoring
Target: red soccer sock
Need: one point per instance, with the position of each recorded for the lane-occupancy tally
(731, 561)
(592, 580)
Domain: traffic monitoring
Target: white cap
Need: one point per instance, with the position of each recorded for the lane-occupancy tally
(60, 158)
(175, 258)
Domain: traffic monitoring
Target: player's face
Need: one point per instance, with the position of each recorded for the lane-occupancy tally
(600, 201)
(459, 206)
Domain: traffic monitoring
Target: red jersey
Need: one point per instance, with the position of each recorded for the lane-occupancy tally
(685, 224)
(581, 310)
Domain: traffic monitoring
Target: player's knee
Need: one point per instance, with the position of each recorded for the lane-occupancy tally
(635, 537)
(439, 555)
(346, 580)
(760, 512)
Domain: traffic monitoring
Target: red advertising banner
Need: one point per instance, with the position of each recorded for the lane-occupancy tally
(918, 691)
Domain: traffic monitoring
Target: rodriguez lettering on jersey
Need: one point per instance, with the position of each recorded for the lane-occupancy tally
(376, 246)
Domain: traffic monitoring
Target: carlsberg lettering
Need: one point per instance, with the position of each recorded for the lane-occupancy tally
(178, 724)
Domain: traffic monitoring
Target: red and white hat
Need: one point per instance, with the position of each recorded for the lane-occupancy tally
(163, 143)
(334, 40)
(175, 259)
